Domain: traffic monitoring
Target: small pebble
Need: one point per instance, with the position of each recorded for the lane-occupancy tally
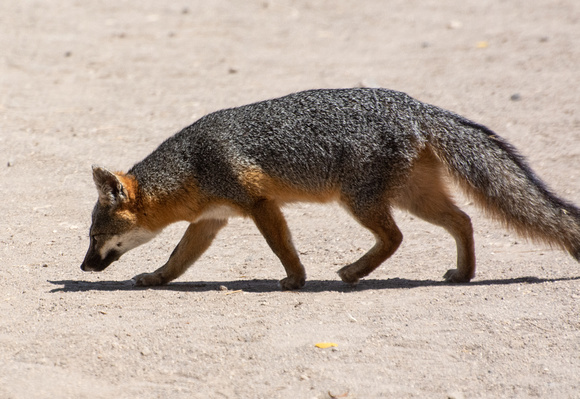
(516, 97)
(145, 351)
(223, 288)
(369, 83)
(455, 395)
(454, 25)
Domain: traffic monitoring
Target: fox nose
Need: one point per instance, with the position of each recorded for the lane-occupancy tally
(95, 268)
(94, 263)
(91, 262)
(85, 267)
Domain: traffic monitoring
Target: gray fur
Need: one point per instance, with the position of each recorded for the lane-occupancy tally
(362, 140)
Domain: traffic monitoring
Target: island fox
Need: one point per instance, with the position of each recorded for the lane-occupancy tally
(369, 149)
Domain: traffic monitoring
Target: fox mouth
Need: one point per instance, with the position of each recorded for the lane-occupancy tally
(94, 263)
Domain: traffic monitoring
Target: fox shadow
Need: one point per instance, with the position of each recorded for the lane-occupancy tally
(271, 285)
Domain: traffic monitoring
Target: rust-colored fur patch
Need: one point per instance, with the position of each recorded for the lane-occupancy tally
(261, 185)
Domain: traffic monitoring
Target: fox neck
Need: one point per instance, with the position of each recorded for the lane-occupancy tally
(156, 208)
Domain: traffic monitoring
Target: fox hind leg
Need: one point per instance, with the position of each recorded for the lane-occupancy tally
(388, 238)
(426, 196)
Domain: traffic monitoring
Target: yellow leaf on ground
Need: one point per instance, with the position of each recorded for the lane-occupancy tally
(324, 345)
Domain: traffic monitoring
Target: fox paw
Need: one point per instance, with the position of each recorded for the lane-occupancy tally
(454, 276)
(348, 277)
(148, 280)
(292, 283)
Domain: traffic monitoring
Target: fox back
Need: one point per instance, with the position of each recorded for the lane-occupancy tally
(313, 142)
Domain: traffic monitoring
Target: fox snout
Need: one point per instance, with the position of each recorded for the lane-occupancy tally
(94, 263)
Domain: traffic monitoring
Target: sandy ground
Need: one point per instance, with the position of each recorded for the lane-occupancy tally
(105, 82)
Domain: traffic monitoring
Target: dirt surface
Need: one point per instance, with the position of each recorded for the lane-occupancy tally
(105, 82)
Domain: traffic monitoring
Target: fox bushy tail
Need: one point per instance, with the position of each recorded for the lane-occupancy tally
(499, 180)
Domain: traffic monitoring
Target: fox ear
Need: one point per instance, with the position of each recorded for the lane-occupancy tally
(110, 188)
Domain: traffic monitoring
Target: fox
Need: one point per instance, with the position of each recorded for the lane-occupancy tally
(370, 150)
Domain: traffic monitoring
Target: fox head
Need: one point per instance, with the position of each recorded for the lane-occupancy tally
(115, 228)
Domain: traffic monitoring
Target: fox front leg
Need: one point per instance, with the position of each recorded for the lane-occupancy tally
(271, 223)
(197, 238)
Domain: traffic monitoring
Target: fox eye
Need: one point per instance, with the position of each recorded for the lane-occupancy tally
(119, 244)
(97, 237)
